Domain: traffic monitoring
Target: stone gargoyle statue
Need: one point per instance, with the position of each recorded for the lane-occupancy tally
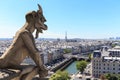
(23, 45)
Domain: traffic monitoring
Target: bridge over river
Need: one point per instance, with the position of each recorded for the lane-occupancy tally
(69, 59)
(78, 57)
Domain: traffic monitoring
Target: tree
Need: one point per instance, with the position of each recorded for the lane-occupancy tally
(113, 45)
(81, 65)
(67, 51)
(114, 78)
(111, 77)
(90, 56)
(60, 75)
(108, 76)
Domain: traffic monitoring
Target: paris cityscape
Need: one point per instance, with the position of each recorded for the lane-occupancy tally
(58, 52)
(73, 40)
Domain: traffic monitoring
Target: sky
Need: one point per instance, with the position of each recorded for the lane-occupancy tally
(88, 19)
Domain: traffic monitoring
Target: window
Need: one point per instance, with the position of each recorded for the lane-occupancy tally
(108, 68)
(96, 75)
(103, 71)
(113, 68)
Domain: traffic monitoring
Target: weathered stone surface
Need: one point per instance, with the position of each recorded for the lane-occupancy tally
(23, 45)
(8, 74)
(11, 74)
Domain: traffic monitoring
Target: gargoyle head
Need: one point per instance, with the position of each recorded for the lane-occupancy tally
(38, 20)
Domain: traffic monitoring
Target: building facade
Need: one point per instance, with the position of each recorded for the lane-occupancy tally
(106, 61)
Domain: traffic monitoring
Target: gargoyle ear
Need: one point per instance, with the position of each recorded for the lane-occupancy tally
(30, 16)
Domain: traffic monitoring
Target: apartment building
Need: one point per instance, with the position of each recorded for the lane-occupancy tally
(106, 61)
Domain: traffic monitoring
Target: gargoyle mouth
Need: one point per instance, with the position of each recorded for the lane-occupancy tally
(43, 28)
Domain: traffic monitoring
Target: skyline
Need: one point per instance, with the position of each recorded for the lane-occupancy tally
(89, 19)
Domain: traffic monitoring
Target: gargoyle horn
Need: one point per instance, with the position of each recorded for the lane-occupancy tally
(40, 8)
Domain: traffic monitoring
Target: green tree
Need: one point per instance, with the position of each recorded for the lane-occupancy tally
(118, 76)
(108, 76)
(67, 51)
(111, 77)
(90, 56)
(113, 45)
(114, 78)
(60, 75)
(81, 65)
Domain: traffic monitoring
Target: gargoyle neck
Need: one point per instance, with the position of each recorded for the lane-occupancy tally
(29, 27)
